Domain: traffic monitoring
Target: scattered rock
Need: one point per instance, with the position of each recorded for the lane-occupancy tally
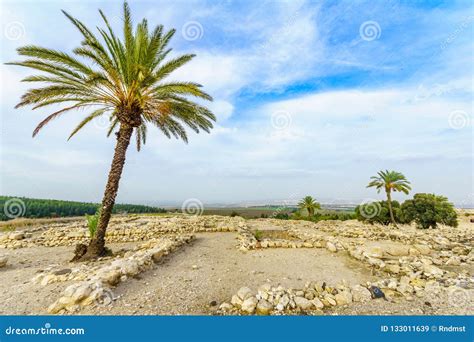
(343, 298)
(264, 307)
(249, 305)
(16, 236)
(303, 303)
(360, 294)
(244, 293)
(331, 247)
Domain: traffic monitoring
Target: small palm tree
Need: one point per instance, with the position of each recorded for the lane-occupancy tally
(124, 81)
(310, 204)
(390, 181)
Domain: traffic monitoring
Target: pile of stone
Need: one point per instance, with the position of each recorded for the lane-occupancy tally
(278, 300)
(303, 239)
(316, 297)
(123, 229)
(96, 287)
(16, 240)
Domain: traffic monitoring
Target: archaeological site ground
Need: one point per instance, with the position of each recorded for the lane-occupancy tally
(218, 265)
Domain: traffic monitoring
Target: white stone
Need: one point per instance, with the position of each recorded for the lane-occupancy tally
(343, 298)
(225, 307)
(236, 301)
(303, 303)
(360, 294)
(431, 270)
(249, 305)
(244, 293)
(264, 307)
(331, 247)
(317, 303)
(16, 236)
(81, 292)
(453, 261)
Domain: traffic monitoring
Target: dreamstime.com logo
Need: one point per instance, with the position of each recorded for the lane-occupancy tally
(14, 208)
(369, 208)
(281, 120)
(46, 330)
(14, 30)
(193, 207)
(192, 30)
(458, 297)
(459, 119)
(370, 30)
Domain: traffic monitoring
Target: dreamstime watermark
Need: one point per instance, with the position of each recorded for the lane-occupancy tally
(459, 29)
(277, 35)
(101, 122)
(459, 297)
(459, 119)
(423, 93)
(281, 120)
(193, 207)
(14, 30)
(106, 297)
(369, 208)
(14, 208)
(285, 205)
(370, 30)
(192, 30)
(46, 330)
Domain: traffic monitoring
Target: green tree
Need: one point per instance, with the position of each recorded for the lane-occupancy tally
(427, 210)
(378, 212)
(123, 80)
(309, 204)
(390, 181)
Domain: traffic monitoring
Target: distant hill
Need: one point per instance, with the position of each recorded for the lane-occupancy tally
(12, 207)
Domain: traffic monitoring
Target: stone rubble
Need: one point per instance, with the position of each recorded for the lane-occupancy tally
(96, 286)
(134, 229)
(411, 262)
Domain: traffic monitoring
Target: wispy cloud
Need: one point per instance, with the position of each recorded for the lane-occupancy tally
(304, 101)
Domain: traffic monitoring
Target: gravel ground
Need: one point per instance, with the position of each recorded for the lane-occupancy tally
(212, 269)
(18, 295)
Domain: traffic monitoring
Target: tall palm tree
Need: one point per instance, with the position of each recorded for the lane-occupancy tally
(390, 181)
(310, 204)
(124, 80)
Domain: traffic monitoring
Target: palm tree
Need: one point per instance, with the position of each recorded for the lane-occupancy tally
(390, 181)
(124, 81)
(310, 204)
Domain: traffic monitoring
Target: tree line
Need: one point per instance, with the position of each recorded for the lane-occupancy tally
(14, 207)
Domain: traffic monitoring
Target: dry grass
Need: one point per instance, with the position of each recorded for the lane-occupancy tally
(27, 222)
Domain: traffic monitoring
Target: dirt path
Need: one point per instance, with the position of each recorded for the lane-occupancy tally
(212, 269)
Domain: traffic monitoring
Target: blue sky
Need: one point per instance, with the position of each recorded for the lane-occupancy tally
(312, 97)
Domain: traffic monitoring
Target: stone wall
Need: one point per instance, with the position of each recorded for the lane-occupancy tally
(95, 285)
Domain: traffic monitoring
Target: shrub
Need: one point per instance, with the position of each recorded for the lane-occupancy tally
(234, 214)
(258, 234)
(282, 216)
(322, 215)
(92, 221)
(378, 212)
(429, 209)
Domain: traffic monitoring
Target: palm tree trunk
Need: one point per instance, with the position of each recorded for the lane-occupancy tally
(96, 246)
(389, 201)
